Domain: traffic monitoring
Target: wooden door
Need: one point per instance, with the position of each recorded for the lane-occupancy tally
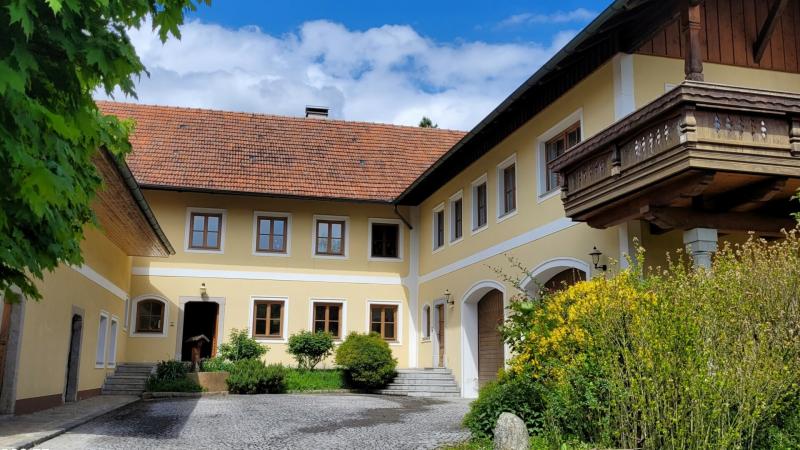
(490, 344)
(440, 333)
(5, 333)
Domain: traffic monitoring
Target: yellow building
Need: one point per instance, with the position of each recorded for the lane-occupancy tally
(288, 224)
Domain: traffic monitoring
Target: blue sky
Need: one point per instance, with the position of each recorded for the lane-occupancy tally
(453, 61)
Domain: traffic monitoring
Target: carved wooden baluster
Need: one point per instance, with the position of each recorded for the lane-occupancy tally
(692, 26)
(688, 126)
(794, 136)
(616, 161)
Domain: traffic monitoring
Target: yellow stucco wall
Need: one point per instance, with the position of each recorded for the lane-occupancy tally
(47, 323)
(171, 210)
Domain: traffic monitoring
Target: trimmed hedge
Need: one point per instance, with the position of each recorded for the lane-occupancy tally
(252, 376)
(366, 360)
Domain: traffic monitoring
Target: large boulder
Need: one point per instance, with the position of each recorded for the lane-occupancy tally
(510, 433)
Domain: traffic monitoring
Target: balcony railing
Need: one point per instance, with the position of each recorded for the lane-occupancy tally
(690, 149)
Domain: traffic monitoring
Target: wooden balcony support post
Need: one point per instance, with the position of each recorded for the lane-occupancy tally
(794, 136)
(691, 25)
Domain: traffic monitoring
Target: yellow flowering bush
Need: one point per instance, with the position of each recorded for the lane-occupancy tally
(664, 358)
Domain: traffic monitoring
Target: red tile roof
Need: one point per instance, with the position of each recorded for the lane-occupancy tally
(199, 149)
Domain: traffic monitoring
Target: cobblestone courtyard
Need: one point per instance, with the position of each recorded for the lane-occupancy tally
(274, 422)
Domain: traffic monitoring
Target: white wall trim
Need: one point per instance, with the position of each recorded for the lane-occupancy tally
(134, 305)
(517, 241)
(500, 188)
(398, 326)
(346, 220)
(185, 272)
(343, 312)
(101, 281)
(411, 283)
(624, 93)
(434, 224)
(426, 334)
(284, 320)
(541, 161)
(223, 228)
(287, 236)
(451, 217)
(400, 239)
(113, 342)
(102, 340)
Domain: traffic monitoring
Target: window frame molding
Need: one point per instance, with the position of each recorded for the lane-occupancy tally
(398, 325)
(474, 204)
(187, 231)
(102, 364)
(452, 228)
(425, 333)
(503, 215)
(112, 350)
(541, 148)
(434, 229)
(284, 338)
(346, 236)
(342, 309)
(287, 237)
(400, 240)
(134, 310)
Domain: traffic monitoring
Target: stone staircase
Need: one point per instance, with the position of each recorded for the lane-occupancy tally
(128, 379)
(423, 383)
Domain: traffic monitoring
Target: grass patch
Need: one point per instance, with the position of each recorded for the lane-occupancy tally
(314, 380)
(179, 385)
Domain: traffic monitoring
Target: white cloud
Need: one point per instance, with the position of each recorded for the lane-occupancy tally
(580, 15)
(387, 74)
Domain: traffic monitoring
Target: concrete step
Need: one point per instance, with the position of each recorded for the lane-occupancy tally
(424, 382)
(436, 370)
(424, 376)
(419, 394)
(134, 370)
(105, 391)
(413, 388)
(117, 381)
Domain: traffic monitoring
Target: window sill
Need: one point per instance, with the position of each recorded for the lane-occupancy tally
(147, 335)
(200, 250)
(478, 230)
(99, 366)
(437, 250)
(277, 340)
(274, 254)
(457, 241)
(425, 340)
(507, 215)
(384, 259)
(548, 195)
(340, 257)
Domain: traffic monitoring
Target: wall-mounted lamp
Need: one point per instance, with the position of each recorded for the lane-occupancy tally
(596, 254)
(203, 291)
(448, 298)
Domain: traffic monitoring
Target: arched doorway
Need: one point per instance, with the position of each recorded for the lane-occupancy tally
(555, 274)
(472, 310)
(490, 343)
(74, 359)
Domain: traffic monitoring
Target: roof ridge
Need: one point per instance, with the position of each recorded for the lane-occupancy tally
(279, 116)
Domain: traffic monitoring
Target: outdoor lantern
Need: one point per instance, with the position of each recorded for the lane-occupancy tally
(447, 297)
(596, 254)
(203, 292)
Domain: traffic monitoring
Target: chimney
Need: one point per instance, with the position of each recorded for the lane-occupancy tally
(317, 112)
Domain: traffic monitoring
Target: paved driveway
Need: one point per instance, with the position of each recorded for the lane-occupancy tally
(274, 421)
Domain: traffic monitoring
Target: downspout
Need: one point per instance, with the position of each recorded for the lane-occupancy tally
(405, 221)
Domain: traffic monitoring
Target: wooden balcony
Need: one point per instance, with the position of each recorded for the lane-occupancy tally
(702, 155)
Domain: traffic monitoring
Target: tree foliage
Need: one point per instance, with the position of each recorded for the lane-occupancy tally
(54, 55)
(309, 348)
(426, 122)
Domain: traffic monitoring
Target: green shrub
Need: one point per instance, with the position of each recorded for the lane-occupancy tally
(241, 346)
(252, 376)
(171, 370)
(667, 358)
(216, 364)
(176, 385)
(310, 348)
(314, 380)
(517, 395)
(366, 360)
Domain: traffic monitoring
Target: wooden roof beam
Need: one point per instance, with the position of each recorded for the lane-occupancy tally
(686, 219)
(760, 45)
(747, 197)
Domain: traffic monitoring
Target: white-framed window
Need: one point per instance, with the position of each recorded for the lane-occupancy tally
(102, 334)
(480, 204)
(552, 144)
(385, 317)
(426, 322)
(438, 227)
(269, 318)
(456, 208)
(329, 315)
(126, 315)
(385, 240)
(507, 187)
(205, 230)
(330, 237)
(272, 233)
(149, 316)
(112, 342)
